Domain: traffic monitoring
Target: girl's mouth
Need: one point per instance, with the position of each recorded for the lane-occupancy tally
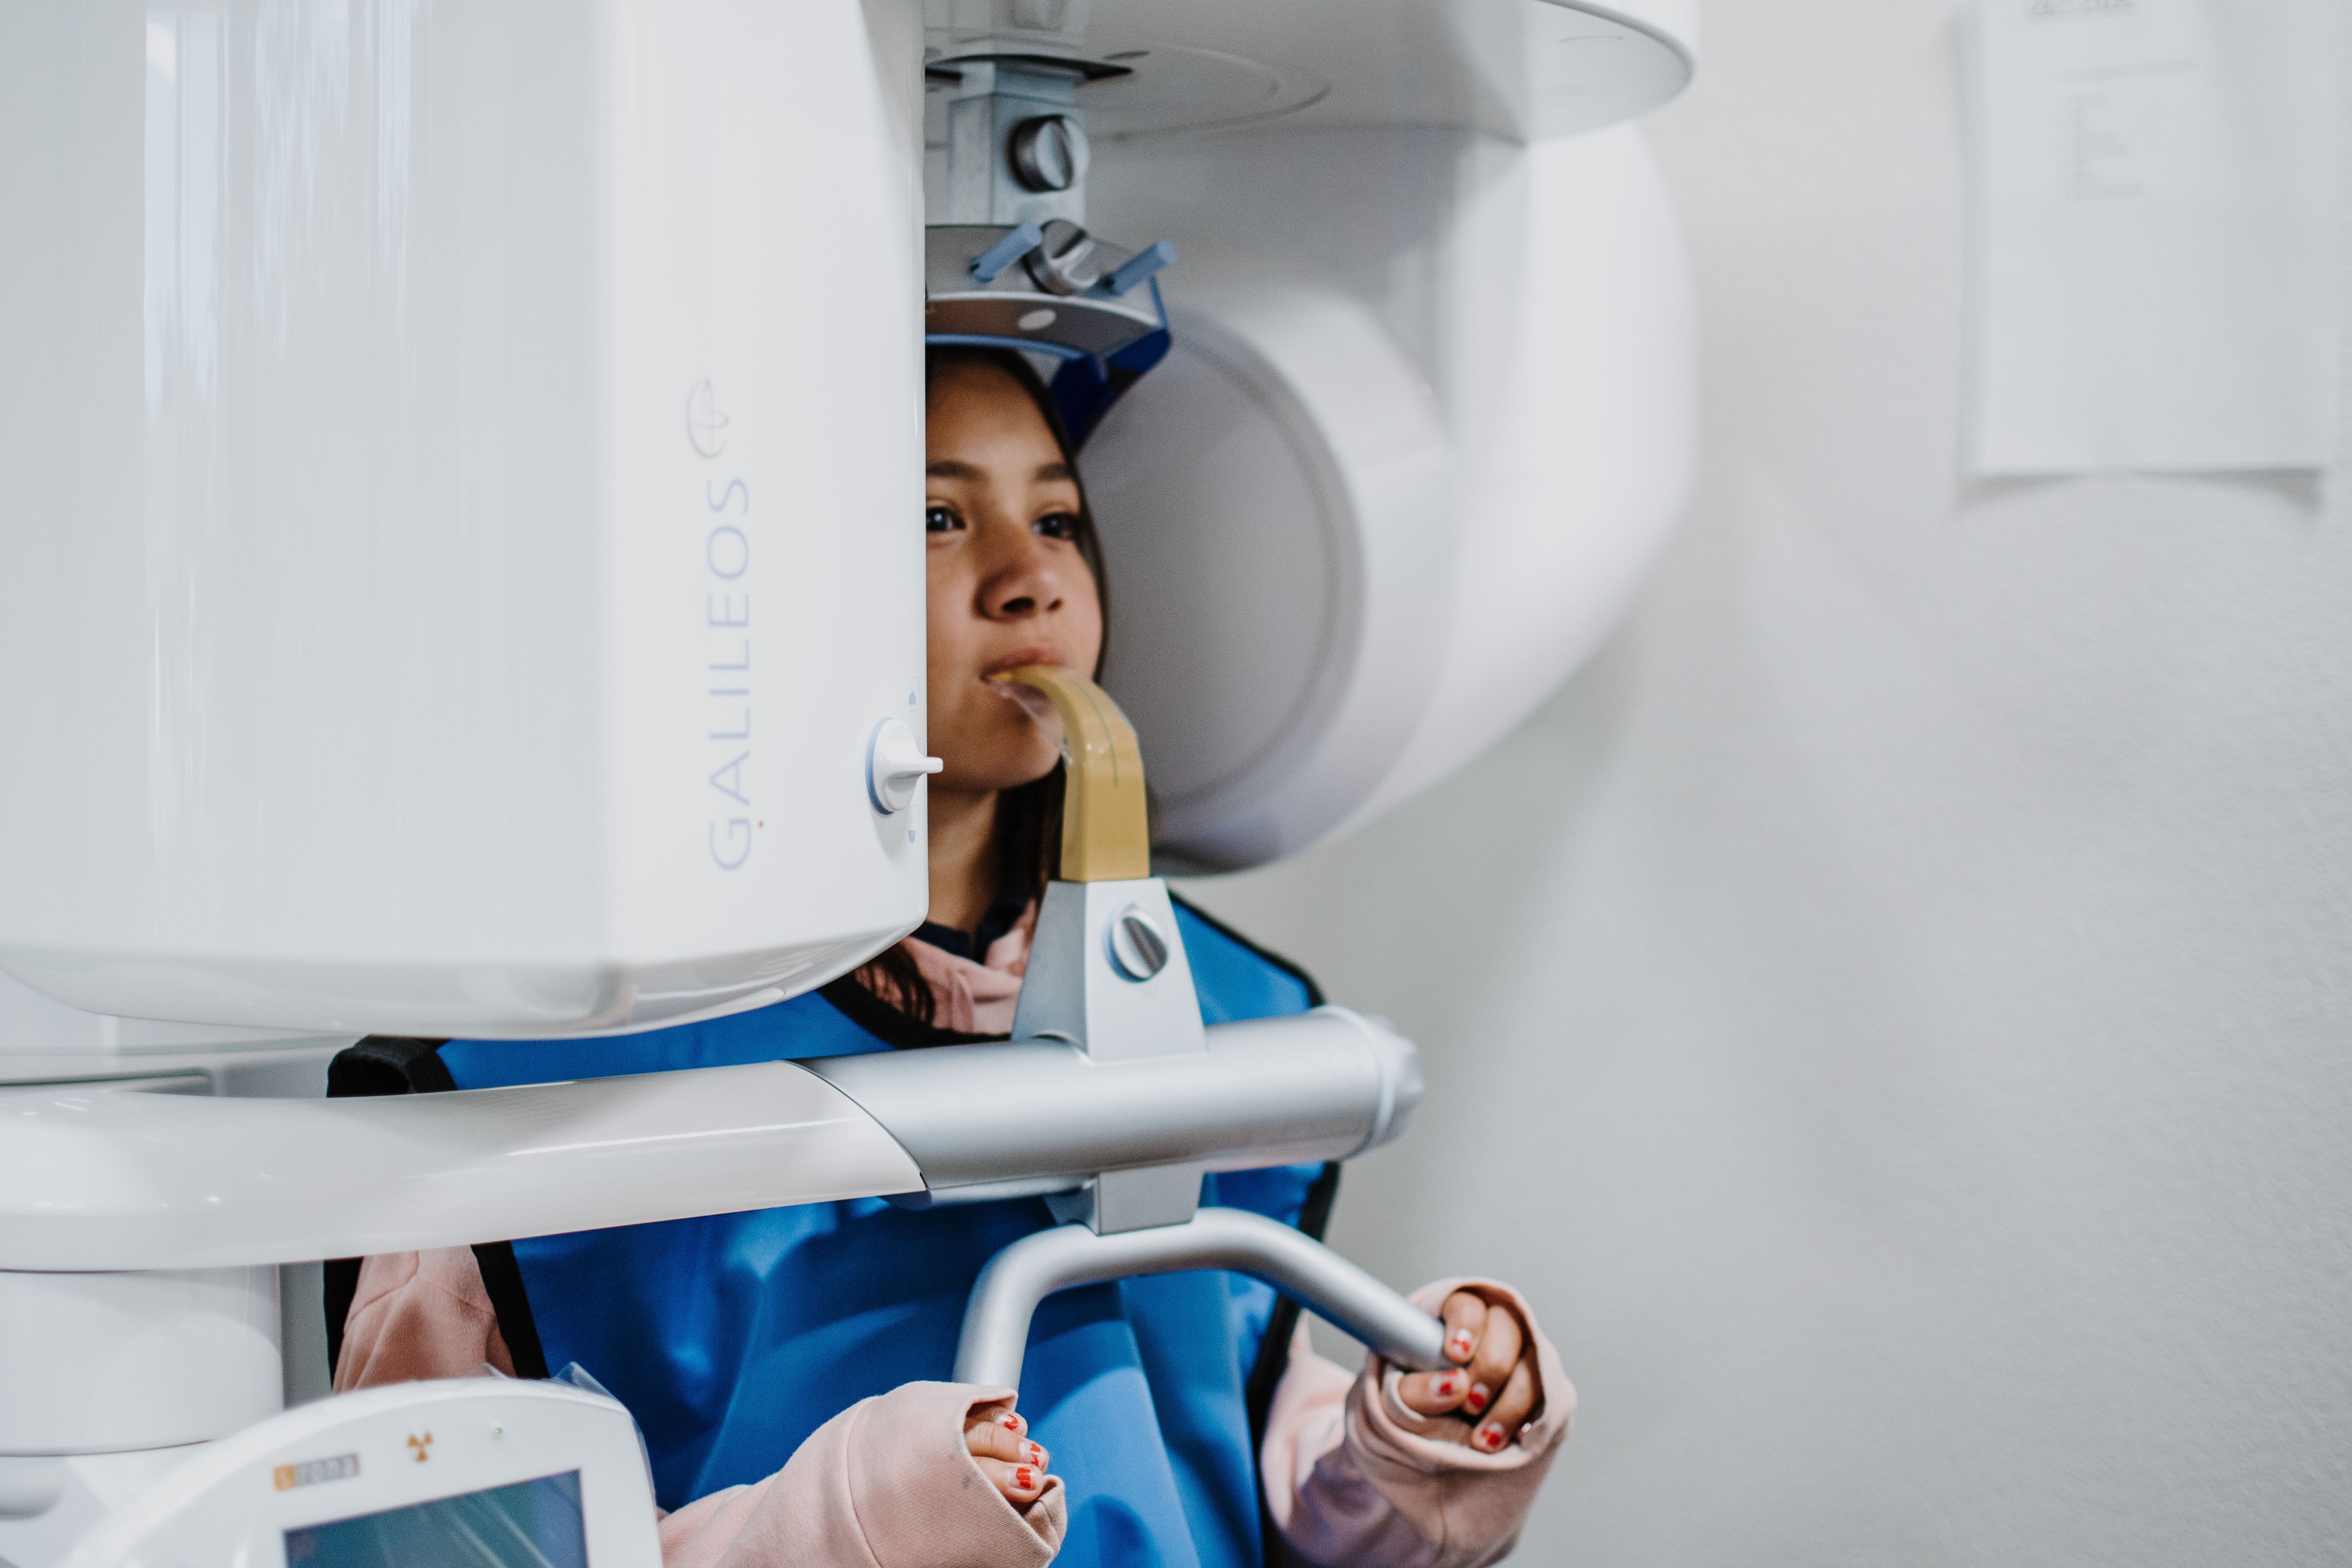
(1019, 658)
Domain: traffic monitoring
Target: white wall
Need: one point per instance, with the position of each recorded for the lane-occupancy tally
(1895, 1010)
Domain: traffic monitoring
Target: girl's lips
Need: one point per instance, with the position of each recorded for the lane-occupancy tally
(1020, 658)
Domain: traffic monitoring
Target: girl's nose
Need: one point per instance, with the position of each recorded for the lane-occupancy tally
(1025, 584)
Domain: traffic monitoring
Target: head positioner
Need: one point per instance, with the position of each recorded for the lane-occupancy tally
(1007, 260)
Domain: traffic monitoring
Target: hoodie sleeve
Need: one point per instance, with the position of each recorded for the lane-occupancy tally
(887, 1483)
(1352, 1477)
(418, 1316)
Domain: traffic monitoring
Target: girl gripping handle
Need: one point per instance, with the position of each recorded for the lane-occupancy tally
(783, 1364)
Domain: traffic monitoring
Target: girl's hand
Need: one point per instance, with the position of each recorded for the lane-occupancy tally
(999, 1442)
(1491, 1390)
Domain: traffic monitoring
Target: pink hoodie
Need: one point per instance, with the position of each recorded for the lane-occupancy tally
(1351, 1476)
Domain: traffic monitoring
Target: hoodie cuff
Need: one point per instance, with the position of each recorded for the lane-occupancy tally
(887, 1483)
(1466, 1508)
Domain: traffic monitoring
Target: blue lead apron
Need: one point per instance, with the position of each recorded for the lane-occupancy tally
(732, 1337)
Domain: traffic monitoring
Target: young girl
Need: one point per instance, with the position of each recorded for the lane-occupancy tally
(780, 1362)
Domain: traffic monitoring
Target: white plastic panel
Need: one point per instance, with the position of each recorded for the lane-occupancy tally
(48, 1502)
(99, 1178)
(97, 1364)
(1429, 418)
(1572, 382)
(1271, 501)
(1522, 70)
(460, 536)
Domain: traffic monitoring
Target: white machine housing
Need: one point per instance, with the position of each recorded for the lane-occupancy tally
(458, 578)
(1430, 413)
(457, 493)
(1428, 418)
(470, 446)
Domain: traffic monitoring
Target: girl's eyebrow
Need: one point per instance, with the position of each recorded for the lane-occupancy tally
(949, 468)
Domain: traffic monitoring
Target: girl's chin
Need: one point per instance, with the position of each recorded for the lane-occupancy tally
(1000, 761)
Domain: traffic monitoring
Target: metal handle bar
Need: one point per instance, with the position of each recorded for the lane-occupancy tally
(1006, 1296)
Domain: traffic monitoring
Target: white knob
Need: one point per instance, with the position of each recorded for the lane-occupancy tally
(895, 764)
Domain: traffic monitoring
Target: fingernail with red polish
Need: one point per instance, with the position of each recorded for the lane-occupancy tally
(1446, 1387)
(1036, 1453)
(1476, 1398)
(1490, 1435)
(1459, 1346)
(1010, 1422)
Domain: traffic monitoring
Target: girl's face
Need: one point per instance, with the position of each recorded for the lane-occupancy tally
(1008, 586)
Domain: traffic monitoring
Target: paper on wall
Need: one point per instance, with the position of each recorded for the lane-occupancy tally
(2156, 233)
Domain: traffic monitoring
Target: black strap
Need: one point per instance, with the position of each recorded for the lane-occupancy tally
(1274, 1353)
(388, 1064)
(502, 1278)
(399, 1064)
(380, 1064)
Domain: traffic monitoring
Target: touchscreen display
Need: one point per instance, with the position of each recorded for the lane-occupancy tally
(531, 1524)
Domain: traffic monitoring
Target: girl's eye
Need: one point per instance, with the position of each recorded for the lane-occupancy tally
(1056, 525)
(940, 519)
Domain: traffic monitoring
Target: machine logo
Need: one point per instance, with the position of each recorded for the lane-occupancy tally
(706, 426)
(310, 1472)
(726, 637)
(424, 1445)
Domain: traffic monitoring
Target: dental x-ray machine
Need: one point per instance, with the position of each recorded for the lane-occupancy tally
(456, 578)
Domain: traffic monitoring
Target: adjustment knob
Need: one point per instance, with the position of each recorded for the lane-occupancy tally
(1064, 261)
(895, 764)
(1049, 153)
(1138, 951)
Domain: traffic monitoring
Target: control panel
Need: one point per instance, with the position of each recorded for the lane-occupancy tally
(484, 1472)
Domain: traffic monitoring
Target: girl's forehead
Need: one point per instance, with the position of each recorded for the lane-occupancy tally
(984, 415)
(968, 383)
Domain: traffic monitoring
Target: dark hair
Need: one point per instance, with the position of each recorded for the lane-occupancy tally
(1029, 816)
